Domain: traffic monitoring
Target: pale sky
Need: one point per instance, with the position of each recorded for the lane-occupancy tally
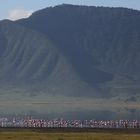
(16, 9)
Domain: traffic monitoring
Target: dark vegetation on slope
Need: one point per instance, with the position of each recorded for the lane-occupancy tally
(93, 36)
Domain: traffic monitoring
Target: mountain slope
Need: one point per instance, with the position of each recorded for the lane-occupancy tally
(101, 43)
(24, 47)
(31, 62)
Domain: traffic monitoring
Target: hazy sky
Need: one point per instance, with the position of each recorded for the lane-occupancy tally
(15, 9)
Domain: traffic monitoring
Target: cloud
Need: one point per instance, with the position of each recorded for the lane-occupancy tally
(18, 14)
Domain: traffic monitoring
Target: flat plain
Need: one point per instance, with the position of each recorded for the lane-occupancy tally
(69, 134)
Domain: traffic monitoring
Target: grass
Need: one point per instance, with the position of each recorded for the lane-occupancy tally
(66, 136)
